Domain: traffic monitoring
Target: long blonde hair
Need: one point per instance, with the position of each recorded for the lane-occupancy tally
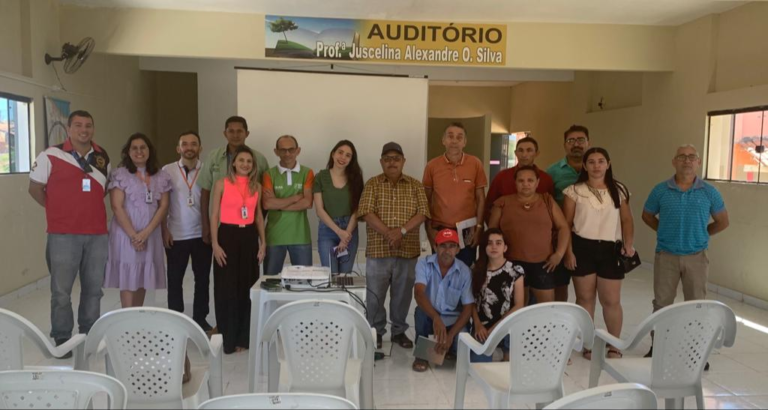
(253, 184)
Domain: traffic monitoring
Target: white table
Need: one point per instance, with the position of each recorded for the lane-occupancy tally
(263, 303)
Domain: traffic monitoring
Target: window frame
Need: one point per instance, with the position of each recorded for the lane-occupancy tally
(763, 141)
(29, 102)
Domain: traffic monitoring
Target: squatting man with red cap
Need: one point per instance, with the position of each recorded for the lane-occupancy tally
(443, 293)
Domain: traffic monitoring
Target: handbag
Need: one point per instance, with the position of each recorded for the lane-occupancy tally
(626, 263)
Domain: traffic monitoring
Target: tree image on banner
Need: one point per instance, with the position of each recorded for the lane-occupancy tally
(282, 25)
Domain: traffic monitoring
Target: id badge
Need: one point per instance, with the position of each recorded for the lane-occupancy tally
(345, 252)
(190, 201)
(86, 185)
(148, 198)
(244, 212)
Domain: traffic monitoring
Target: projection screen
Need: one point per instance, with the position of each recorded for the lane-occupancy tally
(321, 109)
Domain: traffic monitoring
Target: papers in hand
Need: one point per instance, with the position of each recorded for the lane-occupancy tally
(425, 350)
(466, 230)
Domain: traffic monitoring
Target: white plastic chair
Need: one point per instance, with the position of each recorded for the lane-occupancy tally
(59, 389)
(316, 338)
(685, 334)
(14, 328)
(626, 396)
(278, 401)
(541, 339)
(145, 349)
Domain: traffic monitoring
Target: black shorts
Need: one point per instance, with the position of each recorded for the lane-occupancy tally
(593, 256)
(536, 276)
(562, 275)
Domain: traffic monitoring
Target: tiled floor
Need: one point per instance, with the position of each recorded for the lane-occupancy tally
(738, 378)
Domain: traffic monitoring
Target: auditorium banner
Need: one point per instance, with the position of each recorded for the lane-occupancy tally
(404, 42)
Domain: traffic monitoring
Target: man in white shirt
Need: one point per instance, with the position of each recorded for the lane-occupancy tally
(183, 231)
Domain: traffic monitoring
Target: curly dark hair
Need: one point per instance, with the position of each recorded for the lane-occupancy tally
(125, 158)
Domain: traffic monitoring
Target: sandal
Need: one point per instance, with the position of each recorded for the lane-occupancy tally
(587, 353)
(615, 352)
(420, 365)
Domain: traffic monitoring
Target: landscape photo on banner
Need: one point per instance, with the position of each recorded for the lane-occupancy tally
(465, 44)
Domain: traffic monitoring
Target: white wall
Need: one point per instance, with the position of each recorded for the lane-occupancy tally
(112, 88)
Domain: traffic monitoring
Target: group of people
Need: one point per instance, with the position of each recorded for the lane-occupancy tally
(535, 230)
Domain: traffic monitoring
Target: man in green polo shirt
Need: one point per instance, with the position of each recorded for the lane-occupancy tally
(216, 166)
(564, 173)
(287, 190)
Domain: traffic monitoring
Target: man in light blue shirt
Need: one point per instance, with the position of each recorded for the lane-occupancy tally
(679, 210)
(443, 293)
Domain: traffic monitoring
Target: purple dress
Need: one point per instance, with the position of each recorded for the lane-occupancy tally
(128, 269)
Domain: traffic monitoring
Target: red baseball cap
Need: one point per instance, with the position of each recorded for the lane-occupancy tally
(447, 235)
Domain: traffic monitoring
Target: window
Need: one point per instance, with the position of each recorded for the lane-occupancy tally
(15, 134)
(736, 145)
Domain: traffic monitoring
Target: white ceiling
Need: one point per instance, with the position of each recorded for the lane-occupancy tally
(645, 12)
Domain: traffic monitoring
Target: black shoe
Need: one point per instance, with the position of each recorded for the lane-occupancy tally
(403, 341)
(706, 367)
(378, 341)
(60, 342)
(649, 354)
(204, 325)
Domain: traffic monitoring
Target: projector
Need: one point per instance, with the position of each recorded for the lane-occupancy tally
(305, 277)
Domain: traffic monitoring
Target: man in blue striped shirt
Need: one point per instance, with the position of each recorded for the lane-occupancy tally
(679, 210)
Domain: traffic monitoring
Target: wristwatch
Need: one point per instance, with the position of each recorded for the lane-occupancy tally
(403, 231)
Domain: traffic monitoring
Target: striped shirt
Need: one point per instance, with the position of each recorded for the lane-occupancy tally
(683, 216)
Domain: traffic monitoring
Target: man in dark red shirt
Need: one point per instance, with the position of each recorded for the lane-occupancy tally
(70, 180)
(504, 183)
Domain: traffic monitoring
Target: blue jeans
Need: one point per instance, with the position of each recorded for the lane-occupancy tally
(479, 358)
(327, 239)
(275, 257)
(70, 256)
(424, 327)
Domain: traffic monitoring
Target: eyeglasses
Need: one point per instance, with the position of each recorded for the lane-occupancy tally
(689, 157)
(580, 140)
(284, 151)
(392, 158)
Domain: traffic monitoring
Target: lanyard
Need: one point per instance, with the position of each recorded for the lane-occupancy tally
(83, 161)
(244, 193)
(144, 177)
(186, 177)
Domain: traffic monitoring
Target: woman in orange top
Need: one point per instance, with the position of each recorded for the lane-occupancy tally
(528, 220)
(237, 205)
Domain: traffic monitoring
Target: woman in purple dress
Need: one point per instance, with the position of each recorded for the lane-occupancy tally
(139, 193)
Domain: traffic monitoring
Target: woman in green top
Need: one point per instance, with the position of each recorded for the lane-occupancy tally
(337, 191)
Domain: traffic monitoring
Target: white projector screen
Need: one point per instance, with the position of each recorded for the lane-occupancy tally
(322, 109)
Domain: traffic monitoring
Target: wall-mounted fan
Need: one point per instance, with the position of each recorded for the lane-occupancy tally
(73, 56)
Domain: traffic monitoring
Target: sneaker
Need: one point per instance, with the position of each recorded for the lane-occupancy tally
(60, 342)
(649, 354)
